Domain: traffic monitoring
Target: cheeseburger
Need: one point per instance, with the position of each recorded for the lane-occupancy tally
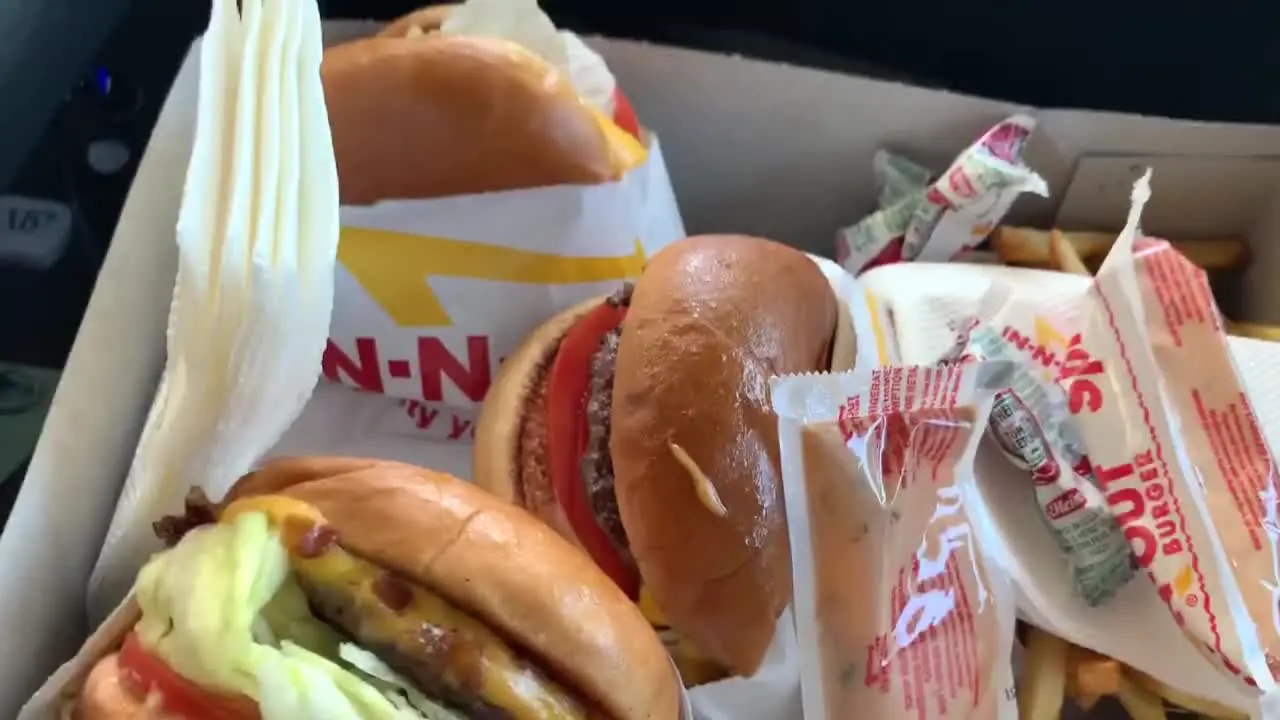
(416, 113)
(639, 426)
(353, 589)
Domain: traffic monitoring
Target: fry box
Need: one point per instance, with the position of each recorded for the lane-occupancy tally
(711, 111)
(431, 294)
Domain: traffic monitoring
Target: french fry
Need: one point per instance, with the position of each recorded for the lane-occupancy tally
(1173, 696)
(1140, 702)
(1255, 330)
(1065, 257)
(1091, 676)
(1044, 676)
(1028, 246)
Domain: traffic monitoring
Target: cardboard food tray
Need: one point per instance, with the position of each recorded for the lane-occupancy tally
(752, 147)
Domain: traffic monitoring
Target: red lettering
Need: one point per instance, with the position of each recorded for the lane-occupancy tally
(365, 372)
(1143, 543)
(1081, 394)
(421, 414)
(1130, 497)
(1016, 339)
(1043, 356)
(436, 362)
(1107, 475)
(1078, 363)
(460, 426)
(1083, 467)
(877, 662)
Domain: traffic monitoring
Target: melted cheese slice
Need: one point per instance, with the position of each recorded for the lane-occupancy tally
(696, 668)
(628, 153)
(504, 680)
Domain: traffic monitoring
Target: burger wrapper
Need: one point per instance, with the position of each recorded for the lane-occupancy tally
(431, 295)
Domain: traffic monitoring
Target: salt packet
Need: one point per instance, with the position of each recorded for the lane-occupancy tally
(939, 221)
(903, 609)
(1032, 425)
(1177, 447)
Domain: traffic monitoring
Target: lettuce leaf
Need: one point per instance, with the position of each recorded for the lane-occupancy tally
(221, 609)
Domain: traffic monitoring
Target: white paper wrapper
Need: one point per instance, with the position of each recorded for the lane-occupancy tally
(1135, 627)
(432, 294)
(257, 240)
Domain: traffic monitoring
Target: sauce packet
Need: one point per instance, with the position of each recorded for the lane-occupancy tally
(903, 609)
(1177, 447)
(939, 221)
(1032, 425)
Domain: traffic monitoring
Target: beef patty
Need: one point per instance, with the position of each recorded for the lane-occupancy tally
(597, 464)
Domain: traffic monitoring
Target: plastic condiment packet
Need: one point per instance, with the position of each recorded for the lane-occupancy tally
(965, 204)
(898, 177)
(1175, 443)
(257, 237)
(877, 239)
(902, 607)
(953, 214)
(1032, 425)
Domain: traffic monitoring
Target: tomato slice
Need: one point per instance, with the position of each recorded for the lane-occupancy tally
(624, 116)
(568, 385)
(143, 673)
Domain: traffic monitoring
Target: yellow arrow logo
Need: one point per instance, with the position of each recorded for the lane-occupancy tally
(1048, 337)
(394, 267)
(1182, 583)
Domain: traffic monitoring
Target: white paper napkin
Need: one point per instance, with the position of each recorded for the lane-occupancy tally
(1135, 627)
(257, 237)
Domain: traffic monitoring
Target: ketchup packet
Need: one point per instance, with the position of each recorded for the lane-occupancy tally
(1178, 450)
(940, 221)
(1032, 425)
(903, 610)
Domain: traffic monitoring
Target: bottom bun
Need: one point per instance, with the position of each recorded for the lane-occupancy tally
(104, 696)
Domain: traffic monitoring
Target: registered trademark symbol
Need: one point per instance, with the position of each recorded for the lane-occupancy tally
(1193, 600)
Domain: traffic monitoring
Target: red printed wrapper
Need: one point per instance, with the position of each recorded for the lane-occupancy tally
(1178, 450)
(903, 609)
(942, 220)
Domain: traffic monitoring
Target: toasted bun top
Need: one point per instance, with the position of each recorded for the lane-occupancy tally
(497, 562)
(437, 115)
(711, 320)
